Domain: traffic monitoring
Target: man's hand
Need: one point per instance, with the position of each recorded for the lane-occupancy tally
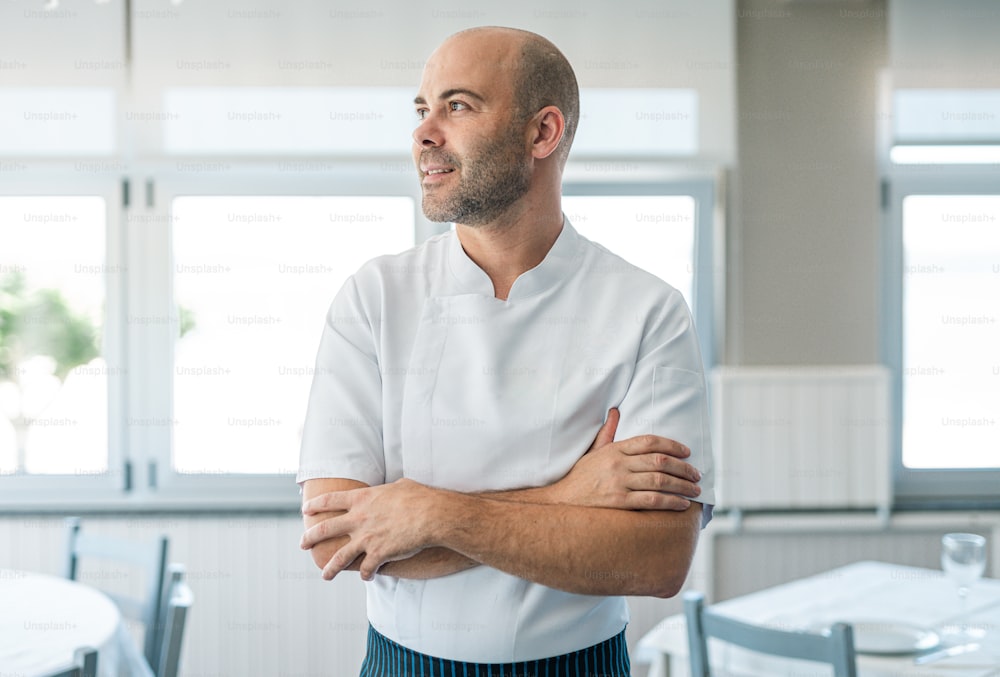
(639, 473)
(385, 523)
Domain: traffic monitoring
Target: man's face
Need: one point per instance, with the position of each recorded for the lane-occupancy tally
(470, 147)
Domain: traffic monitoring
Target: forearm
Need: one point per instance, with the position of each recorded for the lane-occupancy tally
(433, 562)
(437, 561)
(583, 550)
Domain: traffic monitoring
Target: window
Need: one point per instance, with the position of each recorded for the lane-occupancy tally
(942, 280)
(943, 326)
(951, 330)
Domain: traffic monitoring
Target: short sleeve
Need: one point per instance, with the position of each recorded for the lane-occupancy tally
(667, 395)
(342, 434)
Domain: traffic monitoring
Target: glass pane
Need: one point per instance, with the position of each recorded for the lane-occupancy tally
(945, 155)
(647, 122)
(253, 279)
(288, 120)
(956, 116)
(951, 310)
(53, 121)
(653, 232)
(53, 377)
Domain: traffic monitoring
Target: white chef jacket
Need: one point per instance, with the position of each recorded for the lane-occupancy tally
(422, 373)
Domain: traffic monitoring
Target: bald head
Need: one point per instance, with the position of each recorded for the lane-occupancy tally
(540, 75)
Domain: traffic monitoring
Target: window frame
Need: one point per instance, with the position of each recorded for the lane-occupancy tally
(923, 488)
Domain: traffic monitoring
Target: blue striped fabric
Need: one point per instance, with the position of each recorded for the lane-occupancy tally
(386, 658)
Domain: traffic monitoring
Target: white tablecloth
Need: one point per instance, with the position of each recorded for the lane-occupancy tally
(864, 591)
(44, 619)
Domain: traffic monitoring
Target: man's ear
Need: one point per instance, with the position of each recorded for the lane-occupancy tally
(547, 128)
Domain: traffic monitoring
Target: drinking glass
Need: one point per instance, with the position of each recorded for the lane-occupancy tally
(963, 558)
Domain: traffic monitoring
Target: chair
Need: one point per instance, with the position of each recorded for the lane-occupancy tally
(178, 602)
(84, 664)
(836, 648)
(150, 556)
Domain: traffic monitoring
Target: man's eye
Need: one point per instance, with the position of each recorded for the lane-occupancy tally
(421, 113)
(457, 105)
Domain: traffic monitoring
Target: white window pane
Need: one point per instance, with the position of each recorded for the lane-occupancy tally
(946, 116)
(645, 122)
(951, 330)
(52, 121)
(653, 232)
(53, 378)
(945, 155)
(256, 276)
(288, 120)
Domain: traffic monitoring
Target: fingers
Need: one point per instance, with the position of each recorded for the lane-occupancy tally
(325, 530)
(610, 427)
(664, 463)
(606, 435)
(343, 558)
(662, 483)
(645, 444)
(331, 527)
(654, 500)
(330, 502)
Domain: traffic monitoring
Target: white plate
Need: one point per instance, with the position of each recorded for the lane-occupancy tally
(873, 636)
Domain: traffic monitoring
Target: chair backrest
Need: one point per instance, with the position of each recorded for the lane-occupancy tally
(149, 556)
(178, 602)
(84, 664)
(836, 648)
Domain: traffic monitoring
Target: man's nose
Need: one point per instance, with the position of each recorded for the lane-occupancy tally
(428, 133)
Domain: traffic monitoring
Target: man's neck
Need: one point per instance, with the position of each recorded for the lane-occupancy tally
(513, 245)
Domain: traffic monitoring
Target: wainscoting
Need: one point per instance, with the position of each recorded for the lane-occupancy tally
(262, 610)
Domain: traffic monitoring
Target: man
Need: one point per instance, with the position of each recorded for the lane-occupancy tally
(454, 451)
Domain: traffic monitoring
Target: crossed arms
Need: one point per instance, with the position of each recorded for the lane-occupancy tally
(617, 524)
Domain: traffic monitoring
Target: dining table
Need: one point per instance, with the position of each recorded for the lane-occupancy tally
(45, 618)
(898, 613)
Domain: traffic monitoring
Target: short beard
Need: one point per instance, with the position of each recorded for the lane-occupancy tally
(495, 176)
